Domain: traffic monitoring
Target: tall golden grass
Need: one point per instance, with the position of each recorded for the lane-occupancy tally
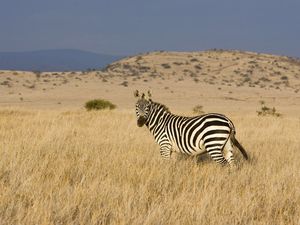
(82, 167)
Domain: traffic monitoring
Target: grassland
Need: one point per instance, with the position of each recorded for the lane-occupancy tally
(77, 167)
(62, 165)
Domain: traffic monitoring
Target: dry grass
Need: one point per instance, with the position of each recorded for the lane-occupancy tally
(98, 168)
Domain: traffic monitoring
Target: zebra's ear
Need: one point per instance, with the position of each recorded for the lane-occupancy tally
(136, 93)
(149, 95)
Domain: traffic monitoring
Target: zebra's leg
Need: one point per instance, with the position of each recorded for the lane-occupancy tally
(228, 153)
(216, 154)
(165, 150)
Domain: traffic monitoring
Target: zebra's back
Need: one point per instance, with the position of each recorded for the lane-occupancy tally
(195, 135)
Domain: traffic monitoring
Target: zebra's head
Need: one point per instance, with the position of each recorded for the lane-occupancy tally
(142, 107)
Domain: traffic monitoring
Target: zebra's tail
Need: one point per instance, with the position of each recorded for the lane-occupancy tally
(235, 141)
(239, 146)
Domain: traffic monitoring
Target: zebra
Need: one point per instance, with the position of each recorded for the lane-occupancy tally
(211, 133)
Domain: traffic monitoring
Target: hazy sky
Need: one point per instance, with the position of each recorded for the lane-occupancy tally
(128, 27)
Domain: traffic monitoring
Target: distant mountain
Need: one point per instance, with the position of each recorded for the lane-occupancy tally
(54, 60)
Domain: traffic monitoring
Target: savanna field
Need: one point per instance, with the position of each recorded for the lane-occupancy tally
(62, 164)
(78, 167)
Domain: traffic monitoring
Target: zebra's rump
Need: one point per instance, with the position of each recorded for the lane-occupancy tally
(206, 132)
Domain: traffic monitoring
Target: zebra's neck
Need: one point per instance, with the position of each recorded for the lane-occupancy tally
(156, 116)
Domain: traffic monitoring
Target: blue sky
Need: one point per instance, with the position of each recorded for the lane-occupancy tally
(127, 27)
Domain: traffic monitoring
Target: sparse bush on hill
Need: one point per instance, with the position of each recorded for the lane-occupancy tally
(177, 63)
(32, 86)
(198, 67)
(246, 79)
(236, 71)
(126, 66)
(5, 83)
(252, 62)
(194, 60)
(264, 79)
(99, 104)
(138, 58)
(124, 83)
(277, 73)
(267, 111)
(144, 69)
(166, 65)
(37, 74)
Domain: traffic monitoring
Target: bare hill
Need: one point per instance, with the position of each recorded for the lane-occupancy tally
(223, 81)
(214, 67)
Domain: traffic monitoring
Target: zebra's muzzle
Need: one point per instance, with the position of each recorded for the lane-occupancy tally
(141, 121)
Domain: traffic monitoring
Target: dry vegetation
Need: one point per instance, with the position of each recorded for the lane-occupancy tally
(62, 165)
(78, 167)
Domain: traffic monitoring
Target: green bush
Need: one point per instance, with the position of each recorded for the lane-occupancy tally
(99, 104)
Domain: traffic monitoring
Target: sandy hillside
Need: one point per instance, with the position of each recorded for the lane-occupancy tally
(223, 81)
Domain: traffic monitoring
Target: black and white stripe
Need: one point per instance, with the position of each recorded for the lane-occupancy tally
(213, 133)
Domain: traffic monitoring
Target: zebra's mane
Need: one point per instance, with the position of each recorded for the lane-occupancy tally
(159, 105)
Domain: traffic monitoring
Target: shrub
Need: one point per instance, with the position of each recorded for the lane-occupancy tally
(266, 111)
(37, 74)
(5, 83)
(284, 78)
(99, 104)
(177, 63)
(138, 58)
(124, 83)
(166, 65)
(198, 109)
(198, 67)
